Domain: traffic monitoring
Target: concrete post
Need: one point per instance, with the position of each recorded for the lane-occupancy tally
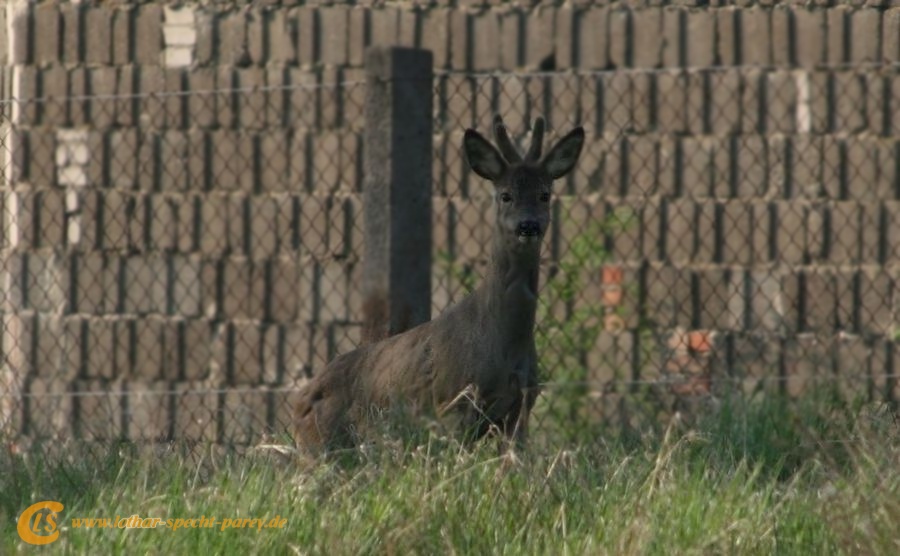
(397, 163)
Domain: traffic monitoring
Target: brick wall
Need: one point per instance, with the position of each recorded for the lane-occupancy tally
(181, 209)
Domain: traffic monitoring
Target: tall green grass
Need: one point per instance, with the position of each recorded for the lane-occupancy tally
(752, 478)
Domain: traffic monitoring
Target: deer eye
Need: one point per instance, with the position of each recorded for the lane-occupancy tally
(505, 197)
(545, 197)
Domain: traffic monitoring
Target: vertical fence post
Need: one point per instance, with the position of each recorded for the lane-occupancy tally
(397, 166)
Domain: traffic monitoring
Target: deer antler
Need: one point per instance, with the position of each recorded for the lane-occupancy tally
(507, 149)
(537, 140)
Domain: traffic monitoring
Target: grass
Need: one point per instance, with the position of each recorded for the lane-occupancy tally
(756, 478)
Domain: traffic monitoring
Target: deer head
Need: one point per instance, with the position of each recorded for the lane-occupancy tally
(522, 185)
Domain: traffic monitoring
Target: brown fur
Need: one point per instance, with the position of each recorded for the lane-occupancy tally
(475, 365)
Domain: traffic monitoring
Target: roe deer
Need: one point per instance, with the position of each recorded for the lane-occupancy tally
(476, 363)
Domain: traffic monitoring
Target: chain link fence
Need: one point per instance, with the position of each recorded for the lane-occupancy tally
(176, 264)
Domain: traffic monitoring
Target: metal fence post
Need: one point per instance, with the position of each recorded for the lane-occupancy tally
(397, 165)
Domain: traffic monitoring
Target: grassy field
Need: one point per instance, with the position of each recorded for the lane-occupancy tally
(758, 479)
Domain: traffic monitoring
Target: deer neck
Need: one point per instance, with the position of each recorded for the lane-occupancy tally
(510, 291)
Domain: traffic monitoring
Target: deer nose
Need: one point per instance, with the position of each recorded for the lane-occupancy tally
(529, 228)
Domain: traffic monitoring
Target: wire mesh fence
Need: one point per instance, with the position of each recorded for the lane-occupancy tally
(176, 263)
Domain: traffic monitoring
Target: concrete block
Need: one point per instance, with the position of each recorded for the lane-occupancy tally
(767, 306)
(755, 36)
(832, 166)
(100, 349)
(486, 38)
(173, 150)
(701, 45)
(74, 333)
(724, 106)
(781, 102)
(47, 26)
(263, 240)
(335, 41)
(620, 38)
(435, 36)
(819, 290)
(844, 233)
(810, 41)
(246, 346)
(147, 413)
(865, 45)
(680, 227)
(782, 27)
(696, 159)
(148, 34)
(243, 416)
(647, 27)
(790, 230)
(861, 170)
(727, 38)
(48, 346)
(754, 100)
(593, 37)
(122, 32)
(72, 33)
(668, 297)
(304, 21)
(123, 169)
(196, 414)
(890, 33)
(671, 110)
(850, 112)
(145, 289)
(50, 413)
(838, 32)
(50, 226)
(539, 32)
(98, 44)
(877, 288)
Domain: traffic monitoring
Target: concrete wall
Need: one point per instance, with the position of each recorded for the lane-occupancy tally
(163, 231)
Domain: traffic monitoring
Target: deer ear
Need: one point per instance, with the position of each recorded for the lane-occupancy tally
(483, 157)
(564, 154)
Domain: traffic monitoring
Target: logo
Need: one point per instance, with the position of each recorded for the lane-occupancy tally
(38, 523)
